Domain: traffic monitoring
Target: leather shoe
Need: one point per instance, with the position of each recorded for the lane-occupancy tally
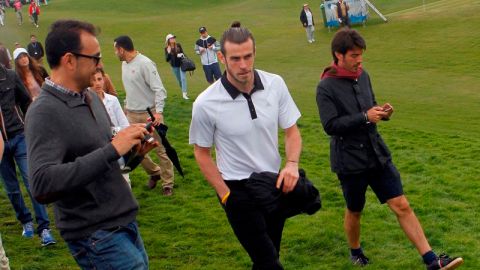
(167, 191)
(152, 182)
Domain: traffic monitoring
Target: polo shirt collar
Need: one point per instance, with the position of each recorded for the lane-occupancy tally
(73, 99)
(234, 92)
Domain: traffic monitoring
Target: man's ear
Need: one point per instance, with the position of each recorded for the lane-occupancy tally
(339, 56)
(221, 57)
(69, 61)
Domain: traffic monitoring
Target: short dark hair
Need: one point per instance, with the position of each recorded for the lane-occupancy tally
(345, 40)
(237, 35)
(236, 24)
(64, 37)
(124, 42)
(32, 35)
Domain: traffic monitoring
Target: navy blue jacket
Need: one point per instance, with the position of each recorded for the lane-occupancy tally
(355, 145)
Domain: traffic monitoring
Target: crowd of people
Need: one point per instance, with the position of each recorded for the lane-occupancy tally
(17, 7)
(86, 175)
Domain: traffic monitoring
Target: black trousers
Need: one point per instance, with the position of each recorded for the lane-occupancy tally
(259, 233)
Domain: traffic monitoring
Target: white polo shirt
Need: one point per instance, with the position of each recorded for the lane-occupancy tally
(245, 135)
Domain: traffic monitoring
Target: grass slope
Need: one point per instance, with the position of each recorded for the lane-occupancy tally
(423, 61)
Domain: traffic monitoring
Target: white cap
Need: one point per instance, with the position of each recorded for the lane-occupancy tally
(169, 36)
(17, 52)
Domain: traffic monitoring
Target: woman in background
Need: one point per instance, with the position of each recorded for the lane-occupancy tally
(173, 55)
(30, 72)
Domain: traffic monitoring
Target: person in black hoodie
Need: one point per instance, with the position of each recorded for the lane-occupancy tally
(14, 102)
(350, 114)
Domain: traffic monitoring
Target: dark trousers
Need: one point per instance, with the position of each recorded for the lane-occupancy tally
(259, 233)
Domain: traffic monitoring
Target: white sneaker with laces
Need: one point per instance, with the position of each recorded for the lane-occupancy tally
(185, 96)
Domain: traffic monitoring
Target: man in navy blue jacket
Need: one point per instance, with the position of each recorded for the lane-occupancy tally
(350, 114)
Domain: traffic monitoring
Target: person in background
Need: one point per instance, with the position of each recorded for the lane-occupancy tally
(30, 72)
(34, 12)
(306, 17)
(117, 117)
(350, 114)
(35, 49)
(2, 14)
(342, 13)
(206, 46)
(144, 89)
(17, 5)
(173, 55)
(4, 262)
(14, 102)
(5, 57)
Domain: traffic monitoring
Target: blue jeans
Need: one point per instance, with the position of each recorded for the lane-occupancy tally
(181, 78)
(16, 152)
(117, 248)
(212, 72)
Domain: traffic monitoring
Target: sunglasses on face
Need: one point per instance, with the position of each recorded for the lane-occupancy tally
(96, 58)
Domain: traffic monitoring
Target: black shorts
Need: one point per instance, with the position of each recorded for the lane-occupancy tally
(385, 183)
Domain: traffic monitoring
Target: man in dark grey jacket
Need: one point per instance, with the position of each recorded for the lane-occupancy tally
(73, 158)
(350, 114)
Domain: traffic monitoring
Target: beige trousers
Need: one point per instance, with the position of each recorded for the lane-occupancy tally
(4, 265)
(165, 168)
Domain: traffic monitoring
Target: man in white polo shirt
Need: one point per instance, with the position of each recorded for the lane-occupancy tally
(240, 114)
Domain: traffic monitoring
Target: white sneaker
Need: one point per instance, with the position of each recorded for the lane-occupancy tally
(310, 41)
(185, 96)
(313, 40)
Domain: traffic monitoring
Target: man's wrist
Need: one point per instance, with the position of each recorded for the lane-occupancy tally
(365, 115)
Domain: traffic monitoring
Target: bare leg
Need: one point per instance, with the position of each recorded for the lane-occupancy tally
(352, 228)
(409, 223)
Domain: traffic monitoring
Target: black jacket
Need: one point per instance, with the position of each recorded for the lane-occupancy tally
(304, 198)
(355, 145)
(14, 102)
(303, 18)
(35, 50)
(172, 56)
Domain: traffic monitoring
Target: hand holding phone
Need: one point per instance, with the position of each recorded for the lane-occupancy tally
(148, 138)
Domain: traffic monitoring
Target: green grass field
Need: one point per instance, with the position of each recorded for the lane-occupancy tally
(424, 61)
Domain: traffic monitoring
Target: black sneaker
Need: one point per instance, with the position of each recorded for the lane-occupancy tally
(360, 260)
(444, 262)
